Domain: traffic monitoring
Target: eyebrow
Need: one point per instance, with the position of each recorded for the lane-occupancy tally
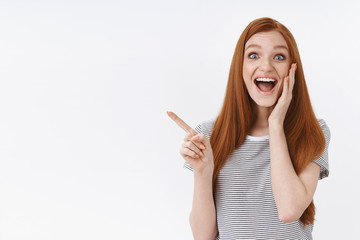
(258, 46)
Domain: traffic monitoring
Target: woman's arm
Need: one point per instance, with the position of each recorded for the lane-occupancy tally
(197, 151)
(292, 193)
(203, 213)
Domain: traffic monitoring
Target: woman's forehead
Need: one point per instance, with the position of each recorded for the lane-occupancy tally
(266, 38)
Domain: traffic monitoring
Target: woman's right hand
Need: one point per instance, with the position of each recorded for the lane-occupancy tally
(197, 152)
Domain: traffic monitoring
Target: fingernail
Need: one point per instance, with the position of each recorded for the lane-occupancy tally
(197, 156)
(201, 154)
(195, 138)
(202, 146)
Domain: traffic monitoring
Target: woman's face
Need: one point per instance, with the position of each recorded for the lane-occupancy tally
(266, 64)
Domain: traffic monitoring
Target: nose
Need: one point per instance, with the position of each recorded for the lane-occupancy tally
(266, 65)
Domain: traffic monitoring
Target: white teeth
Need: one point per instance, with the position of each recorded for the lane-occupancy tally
(265, 79)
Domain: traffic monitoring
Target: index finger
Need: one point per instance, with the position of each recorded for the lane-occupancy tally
(181, 123)
(294, 67)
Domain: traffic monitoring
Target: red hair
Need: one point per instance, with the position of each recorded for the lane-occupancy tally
(304, 136)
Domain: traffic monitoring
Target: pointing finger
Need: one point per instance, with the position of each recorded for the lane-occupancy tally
(181, 123)
(184, 126)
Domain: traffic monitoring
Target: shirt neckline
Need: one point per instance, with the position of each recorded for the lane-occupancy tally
(253, 138)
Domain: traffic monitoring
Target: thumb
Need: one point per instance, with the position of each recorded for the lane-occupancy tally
(201, 138)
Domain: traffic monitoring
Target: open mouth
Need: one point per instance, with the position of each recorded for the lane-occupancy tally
(265, 85)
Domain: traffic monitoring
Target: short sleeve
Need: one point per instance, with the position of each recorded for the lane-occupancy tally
(323, 160)
(205, 128)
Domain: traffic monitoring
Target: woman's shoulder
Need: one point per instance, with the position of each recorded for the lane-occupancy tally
(322, 122)
(325, 128)
(205, 127)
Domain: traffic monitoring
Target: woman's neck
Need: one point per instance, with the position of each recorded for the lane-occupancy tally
(260, 125)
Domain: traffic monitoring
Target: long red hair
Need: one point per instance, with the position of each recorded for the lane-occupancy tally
(304, 136)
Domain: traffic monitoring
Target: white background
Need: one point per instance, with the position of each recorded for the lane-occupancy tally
(86, 148)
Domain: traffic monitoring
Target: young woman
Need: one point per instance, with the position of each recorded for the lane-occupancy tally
(256, 166)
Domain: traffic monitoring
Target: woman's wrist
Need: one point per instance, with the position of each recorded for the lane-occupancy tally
(275, 126)
(206, 172)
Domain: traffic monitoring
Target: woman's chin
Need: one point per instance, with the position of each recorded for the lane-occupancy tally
(265, 103)
(265, 100)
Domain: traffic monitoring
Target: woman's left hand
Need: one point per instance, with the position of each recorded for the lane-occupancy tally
(278, 114)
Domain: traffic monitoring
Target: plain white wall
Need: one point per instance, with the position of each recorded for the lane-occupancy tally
(86, 148)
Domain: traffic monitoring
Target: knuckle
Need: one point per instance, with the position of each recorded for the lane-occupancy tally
(193, 154)
(196, 150)
(184, 153)
(204, 138)
(187, 136)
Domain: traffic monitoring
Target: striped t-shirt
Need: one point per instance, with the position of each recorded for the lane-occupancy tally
(245, 206)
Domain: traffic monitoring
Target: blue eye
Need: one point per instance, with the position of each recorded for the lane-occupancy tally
(279, 57)
(253, 56)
